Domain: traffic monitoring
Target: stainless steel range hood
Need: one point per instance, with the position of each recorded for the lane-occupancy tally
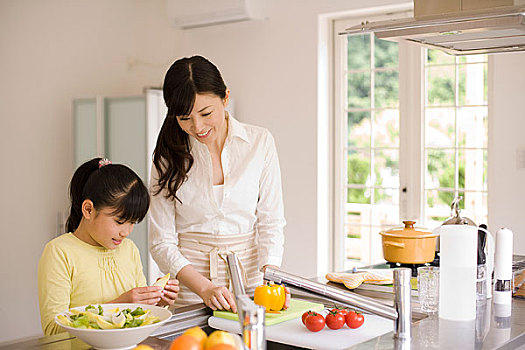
(489, 30)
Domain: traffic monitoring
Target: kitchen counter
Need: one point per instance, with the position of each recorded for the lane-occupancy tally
(488, 331)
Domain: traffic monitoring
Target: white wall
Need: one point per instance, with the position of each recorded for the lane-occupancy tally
(506, 178)
(51, 52)
(56, 50)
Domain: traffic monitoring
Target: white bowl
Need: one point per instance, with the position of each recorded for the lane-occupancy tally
(112, 339)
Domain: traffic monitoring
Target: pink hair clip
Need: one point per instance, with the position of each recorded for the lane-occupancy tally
(103, 162)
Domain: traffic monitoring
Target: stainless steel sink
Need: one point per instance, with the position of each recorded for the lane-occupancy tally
(197, 315)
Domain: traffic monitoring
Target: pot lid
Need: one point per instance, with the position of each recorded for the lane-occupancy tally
(408, 231)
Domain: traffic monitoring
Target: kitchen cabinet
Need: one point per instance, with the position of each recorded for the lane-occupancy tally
(124, 130)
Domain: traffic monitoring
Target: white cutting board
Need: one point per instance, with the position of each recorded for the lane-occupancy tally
(293, 332)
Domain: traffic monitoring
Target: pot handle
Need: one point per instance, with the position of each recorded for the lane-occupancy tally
(395, 244)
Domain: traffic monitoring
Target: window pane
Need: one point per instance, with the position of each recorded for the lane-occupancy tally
(386, 168)
(359, 90)
(438, 57)
(476, 206)
(358, 167)
(472, 169)
(440, 85)
(440, 169)
(358, 52)
(358, 195)
(353, 242)
(438, 207)
(358, 215)
(472, 59)
(472, 127)
(386, 128)
(386, 210)
(386, 89)
(356, 242)
(439, 127)
(359, 129)
(471, 87)
(385, 53)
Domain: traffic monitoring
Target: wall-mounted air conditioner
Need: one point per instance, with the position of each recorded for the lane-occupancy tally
(199, 13)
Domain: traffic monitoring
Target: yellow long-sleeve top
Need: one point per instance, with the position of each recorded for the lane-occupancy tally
(73, 273)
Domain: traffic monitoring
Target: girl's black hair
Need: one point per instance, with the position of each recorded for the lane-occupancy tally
(186, 78)
(113, 186)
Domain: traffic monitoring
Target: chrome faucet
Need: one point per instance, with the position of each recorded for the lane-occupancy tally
(400, 313)
(251, 315)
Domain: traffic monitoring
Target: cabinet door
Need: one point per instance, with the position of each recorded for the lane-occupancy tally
(125, 142)
(86, 130)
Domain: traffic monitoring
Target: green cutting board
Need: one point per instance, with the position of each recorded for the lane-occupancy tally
(296, 309)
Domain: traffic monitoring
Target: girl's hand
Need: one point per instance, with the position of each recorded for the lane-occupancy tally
(219, 298)
(141, 295)
(169, 294)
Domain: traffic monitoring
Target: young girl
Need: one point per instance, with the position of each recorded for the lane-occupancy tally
(94, 263)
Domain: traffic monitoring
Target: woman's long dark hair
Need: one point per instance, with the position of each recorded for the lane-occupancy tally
(112, 186)
(186, 78)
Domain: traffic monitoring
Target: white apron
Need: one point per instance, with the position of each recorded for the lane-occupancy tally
(207, 254)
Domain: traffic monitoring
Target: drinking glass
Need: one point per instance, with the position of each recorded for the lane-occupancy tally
(428, 288)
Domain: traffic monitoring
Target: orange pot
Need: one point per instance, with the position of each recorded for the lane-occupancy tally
(409, 245)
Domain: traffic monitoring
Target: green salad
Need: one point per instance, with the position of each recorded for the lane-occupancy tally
(98, 318)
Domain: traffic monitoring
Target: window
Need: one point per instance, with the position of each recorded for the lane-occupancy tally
(456, 135)
(386, 136)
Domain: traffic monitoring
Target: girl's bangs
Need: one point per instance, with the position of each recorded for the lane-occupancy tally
(132, 206)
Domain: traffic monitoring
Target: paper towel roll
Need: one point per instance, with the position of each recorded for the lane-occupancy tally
(458, 266)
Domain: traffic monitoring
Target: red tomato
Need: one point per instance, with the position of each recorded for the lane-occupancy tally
(335, 319)
(354, 319)
(306, 314)
(341, 311)
(314, 322)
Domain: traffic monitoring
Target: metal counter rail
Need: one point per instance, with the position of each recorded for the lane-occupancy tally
(184, 318)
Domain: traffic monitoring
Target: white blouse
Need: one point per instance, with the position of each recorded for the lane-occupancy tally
(252, 199)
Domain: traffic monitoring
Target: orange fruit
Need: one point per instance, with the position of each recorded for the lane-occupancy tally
(223, 347)
(219, 337)
(143, 347)
(185, 342)
(198, 334)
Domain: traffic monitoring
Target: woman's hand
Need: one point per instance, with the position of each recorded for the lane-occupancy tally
(150, 295)
(287, 298)
(219, 298)
(169, 293)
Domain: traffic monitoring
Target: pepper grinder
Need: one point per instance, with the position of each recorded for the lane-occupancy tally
(503, 267)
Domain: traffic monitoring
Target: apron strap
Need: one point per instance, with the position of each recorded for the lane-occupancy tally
(215, 253)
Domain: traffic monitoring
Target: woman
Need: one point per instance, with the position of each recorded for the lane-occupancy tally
(216, 188)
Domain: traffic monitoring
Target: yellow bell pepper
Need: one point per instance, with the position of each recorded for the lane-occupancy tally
(272, 297)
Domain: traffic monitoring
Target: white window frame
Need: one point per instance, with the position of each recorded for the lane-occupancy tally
(411, 62)
(411, 110)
